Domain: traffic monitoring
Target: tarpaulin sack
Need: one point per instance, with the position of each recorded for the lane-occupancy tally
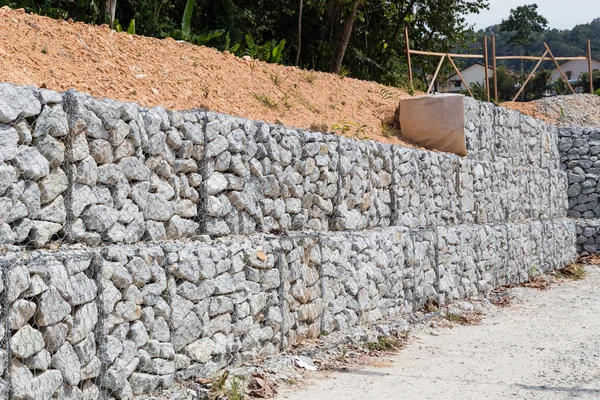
(436, 122)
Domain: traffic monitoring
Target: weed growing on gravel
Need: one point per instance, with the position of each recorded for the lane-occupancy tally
(266, 101)
(309, 76)
(575, 272)
(384, 343)
(276, 79)
(387, 94)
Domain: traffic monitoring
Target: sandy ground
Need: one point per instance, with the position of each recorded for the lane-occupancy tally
(545, 346)
(59, 55)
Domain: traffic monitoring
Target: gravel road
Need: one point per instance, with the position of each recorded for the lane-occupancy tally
(546, 345)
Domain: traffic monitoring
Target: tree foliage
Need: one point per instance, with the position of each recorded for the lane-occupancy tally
(523, 22)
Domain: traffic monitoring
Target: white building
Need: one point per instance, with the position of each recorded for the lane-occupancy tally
(573, 69)
(471, 74)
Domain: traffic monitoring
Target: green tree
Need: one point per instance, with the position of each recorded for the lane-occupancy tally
(506, 84)
(523, 22)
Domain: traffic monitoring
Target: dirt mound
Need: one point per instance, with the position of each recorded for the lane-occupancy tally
(59, 55)
(578, 110)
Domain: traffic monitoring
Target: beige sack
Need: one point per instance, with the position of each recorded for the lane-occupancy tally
(436, 122)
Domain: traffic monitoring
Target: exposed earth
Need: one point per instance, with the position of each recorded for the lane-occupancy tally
(544, 346)
(59, 55)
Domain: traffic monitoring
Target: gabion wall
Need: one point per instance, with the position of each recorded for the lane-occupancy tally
(75, 169)
(123, 320)
(146, 277)
(580, 158)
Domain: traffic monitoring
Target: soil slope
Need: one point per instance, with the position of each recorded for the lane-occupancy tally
(60, 55)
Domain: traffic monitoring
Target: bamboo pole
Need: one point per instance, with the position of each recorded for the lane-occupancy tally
(590, 71)
(432, 53)
(530, 75)
(436, 74)
(487, 73)
(410, 76)
(559, 68)
(534, 58)
(460, 75)
(494, 68)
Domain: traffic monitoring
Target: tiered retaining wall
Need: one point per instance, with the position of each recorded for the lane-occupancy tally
(337, 232)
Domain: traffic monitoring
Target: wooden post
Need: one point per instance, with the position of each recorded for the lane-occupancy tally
(436, 74)
(460, 76)
(410, 77)
(530, 75)
(590, 71)
(494, 68)
(487, 77)
(559, 68)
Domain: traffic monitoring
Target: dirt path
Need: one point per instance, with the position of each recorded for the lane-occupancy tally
(545, 346)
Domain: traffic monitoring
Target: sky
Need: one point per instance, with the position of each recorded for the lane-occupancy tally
(560, 14)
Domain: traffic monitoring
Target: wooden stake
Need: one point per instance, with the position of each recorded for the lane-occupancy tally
(494, 68)
(487, 77)
(454, 55)
(436, 74)
(460, 76)
(559, 68)
(590, 71)
(530, 75)
(410, 77)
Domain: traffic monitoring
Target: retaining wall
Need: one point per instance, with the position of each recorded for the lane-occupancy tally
(337, 232)
(78, 169)
(126, 320)
(580, 158)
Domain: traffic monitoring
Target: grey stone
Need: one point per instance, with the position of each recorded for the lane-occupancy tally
(87, 172)
(51, 121)
(21, 382)
(86, 349)
(139, 271)
(200, 350)
(46, 384)
(42, 231)
(84, 322)
(31, 163)
(52, 308)
(178, 227)
(143, 383)
(134, 169)
(158, 208)
(99, 218)
(20, 312)
(54, 212)
(26, 342)
(52, 149)
(101, 151)
(215, 184)
(18, 282)
(9, 142)
(53, 185)
(54, 336)
(92, 369)
(79, 147)
(39, 361)
(216, 146)
(66, 361)
(16, 102)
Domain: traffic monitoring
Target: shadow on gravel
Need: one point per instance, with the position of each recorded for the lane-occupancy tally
(575, 391)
